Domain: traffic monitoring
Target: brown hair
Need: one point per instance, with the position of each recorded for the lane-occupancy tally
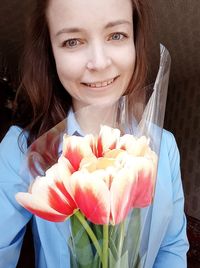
(41, 100)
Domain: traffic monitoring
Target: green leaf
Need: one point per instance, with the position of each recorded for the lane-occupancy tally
(80, 245)
(133, 237)
(96, 262)
(113, 249)
(111, 260)
(114, 233)
(121, 262)
(98, 230)
(73, 263)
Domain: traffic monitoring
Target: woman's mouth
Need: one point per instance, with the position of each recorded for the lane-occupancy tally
(101, 84)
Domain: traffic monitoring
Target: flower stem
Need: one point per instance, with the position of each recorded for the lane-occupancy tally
(91, 234)
(105, 246)
(121, 239)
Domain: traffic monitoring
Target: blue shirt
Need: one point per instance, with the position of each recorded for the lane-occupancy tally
(167, 244)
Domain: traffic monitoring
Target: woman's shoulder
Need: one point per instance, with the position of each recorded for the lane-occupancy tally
(13, 136)
(169, 152)
(168, 141)
(168, 138)
(14, 175)
(13, 146)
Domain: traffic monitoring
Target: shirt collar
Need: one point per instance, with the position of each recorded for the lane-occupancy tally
(73, 127)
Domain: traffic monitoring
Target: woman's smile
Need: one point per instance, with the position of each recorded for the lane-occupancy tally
(100, 84)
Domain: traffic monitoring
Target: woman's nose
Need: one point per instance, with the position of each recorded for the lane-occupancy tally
(99, 58)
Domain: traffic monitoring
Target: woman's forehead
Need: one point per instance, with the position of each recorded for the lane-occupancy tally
(73, 13)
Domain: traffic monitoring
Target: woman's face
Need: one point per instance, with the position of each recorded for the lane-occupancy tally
(93, 47)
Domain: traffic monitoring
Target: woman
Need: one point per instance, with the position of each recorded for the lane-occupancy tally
(81, 53)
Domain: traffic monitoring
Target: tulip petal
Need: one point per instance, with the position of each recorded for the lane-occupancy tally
(56, 200)
(59, 203)
(107, 140)
(114, 153)
(92, 141)
(92, 196)
(45, 193)
(39, 208)
(75, 149)
(135, 147)
(64, 170)
(122, 190)
(53, 186)
(146, 182)
(126, 141)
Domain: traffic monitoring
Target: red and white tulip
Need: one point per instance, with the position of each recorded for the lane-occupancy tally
(48, 196)
(104, 177)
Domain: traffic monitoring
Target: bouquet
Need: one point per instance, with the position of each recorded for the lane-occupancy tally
(103, 180)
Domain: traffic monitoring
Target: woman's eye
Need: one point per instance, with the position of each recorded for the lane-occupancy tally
(117, 36)
(71, 43)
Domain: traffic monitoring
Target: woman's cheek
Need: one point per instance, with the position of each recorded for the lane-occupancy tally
(129, 58)
(70, 66)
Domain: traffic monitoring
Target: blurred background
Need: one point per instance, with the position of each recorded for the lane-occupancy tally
(175, 24)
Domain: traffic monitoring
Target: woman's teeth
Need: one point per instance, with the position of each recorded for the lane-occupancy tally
(100, 84)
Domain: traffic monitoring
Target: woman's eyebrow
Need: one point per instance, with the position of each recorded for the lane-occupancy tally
(78, 30)
(117, 22)
(70, 30)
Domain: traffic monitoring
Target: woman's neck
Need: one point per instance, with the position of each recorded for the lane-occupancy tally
(90, 118)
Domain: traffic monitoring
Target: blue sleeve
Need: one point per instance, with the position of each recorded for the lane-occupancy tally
(174, 247)
(13, 218)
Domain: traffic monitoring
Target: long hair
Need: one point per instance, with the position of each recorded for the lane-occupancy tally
(137, 95)
(41, 101)
(140, 27)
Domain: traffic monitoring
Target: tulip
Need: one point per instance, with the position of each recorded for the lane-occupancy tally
(91, 195)
(104, 177)
(119, 175)
(48, 197)
(105, 189)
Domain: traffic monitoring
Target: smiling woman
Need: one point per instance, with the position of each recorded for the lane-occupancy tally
(94, 52)
(80, 53)
(67, 47)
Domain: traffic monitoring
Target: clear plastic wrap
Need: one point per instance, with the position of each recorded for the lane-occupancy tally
(104, 192)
